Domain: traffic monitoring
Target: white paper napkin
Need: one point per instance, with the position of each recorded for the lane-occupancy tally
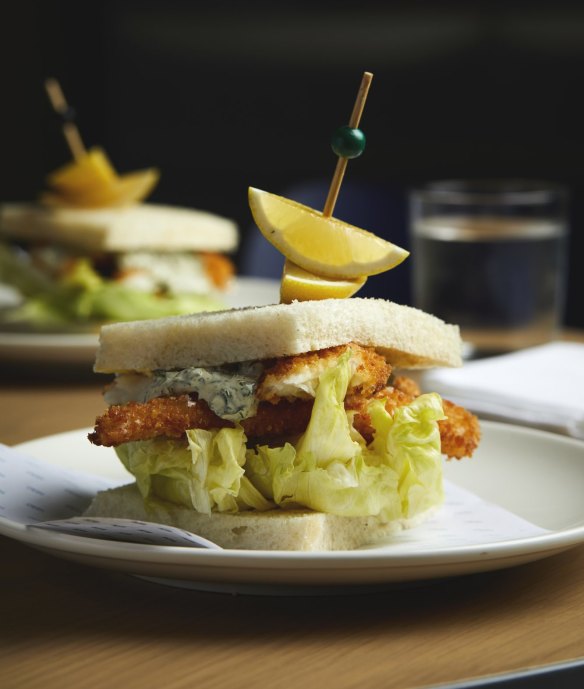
(540, 386)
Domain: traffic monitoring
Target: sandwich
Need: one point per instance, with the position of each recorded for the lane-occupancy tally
(290, 426)
(80, 267)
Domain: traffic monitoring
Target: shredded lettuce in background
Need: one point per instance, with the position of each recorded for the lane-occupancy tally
(330, 468)
(83, 296)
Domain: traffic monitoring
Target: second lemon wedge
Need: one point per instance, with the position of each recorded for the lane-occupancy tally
(325, 246)
(299, 284)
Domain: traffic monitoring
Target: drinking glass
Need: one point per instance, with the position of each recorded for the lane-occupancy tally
(489, 255)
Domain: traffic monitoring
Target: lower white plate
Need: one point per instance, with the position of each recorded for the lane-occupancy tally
(535, 475)
(79, 348)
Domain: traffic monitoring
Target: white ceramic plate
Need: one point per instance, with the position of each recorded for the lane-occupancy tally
(536, 475)
(79, 348)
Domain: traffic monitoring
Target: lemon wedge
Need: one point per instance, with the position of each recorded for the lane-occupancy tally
(301, 285)
(93, 170)
(325, 246)
(124, 191)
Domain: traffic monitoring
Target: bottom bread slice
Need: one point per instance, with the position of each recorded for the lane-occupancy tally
(272, 530)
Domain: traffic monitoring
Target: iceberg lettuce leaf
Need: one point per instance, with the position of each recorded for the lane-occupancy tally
(207, 475)
(411, 438)
(328, 437)
(330, 468)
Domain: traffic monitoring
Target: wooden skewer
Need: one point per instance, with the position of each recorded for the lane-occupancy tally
(70, 130)
(337, 180)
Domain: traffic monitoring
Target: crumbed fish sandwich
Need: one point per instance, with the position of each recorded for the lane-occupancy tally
(285, 426)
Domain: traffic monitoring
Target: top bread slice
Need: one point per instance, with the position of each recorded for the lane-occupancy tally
(144, 227)
(407, 337)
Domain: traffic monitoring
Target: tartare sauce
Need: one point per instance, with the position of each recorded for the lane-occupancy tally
(230, 393)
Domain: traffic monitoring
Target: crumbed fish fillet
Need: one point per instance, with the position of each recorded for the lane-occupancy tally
(172, 416)
(296, 377)
(286, 392)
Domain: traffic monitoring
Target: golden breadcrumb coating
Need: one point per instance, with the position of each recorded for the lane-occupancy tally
(162, 416)
(407, 385)
(460, 431)
(172, 416)
(296, 377)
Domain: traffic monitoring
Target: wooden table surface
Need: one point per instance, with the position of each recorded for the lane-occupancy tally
(68, 625)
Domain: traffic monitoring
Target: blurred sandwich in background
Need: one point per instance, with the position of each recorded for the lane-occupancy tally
(91, 251)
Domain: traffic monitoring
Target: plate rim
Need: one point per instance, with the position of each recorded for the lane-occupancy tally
(554, 540)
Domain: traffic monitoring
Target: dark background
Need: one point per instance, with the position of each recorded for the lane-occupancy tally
(222, 95)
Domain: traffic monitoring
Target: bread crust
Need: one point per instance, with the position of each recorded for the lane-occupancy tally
(405, 336)
(144, 227)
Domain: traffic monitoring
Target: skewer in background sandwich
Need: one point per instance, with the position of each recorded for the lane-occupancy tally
(281, 427)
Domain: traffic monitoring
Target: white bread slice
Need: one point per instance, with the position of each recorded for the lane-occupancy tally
(407, 337)
(146, 226)
(273, 530)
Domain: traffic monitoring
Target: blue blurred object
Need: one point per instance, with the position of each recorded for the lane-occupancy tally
(378, 209)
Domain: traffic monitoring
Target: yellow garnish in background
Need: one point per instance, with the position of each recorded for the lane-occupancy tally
(93, 170)
(325, 246)
(304, 286)
(123, 190)
(90, 180)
